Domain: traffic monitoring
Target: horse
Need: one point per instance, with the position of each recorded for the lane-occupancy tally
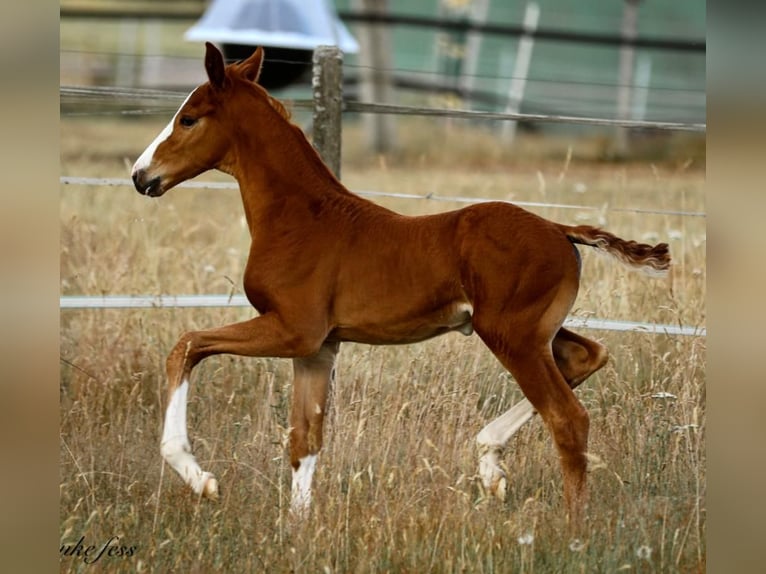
(326, 266)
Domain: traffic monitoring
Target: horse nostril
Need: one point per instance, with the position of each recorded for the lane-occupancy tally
(138, 176)
(144, 185)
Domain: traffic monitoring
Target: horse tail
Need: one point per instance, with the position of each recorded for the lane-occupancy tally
(653, 260)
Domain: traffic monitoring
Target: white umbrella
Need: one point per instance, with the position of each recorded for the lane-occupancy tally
(296, 24)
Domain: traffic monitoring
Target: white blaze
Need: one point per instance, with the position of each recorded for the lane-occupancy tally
(145, 159)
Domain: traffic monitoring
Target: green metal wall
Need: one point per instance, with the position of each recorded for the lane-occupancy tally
(568, 77)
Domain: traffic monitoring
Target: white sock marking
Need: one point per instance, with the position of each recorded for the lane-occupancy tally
(175, 416)
(500, 430)
(175, 446)
(301, 491)
(493, 438)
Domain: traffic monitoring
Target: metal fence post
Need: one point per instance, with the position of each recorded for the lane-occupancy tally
(327, 89)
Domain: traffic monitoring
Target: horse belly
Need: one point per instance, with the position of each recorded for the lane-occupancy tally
(396, 329)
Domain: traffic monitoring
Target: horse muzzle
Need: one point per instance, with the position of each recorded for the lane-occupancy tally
(151, 187)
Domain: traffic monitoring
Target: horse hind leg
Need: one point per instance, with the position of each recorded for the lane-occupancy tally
(577, 358)
(491, 442)
(548, 393)
(312, 377)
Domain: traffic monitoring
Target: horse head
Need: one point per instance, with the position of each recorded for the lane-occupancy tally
(198, 137)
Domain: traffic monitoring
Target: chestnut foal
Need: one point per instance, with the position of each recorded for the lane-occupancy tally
(327, 266)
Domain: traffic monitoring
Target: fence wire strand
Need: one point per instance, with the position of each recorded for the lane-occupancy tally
(107, 182)
(369, 107)
(73, 302)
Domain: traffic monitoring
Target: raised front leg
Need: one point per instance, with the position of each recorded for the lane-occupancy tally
(310, 389)
(176, 449)
(265, 336)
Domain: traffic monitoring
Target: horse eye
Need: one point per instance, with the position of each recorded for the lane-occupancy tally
(188, 121)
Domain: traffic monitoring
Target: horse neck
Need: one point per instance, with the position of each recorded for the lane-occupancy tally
(275, 165)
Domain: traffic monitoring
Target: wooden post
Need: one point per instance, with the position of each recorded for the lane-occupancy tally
(641, 82)
(151, 66)
(521, 69)
(479, 10)
(327, 87)
(628, 31)
(375, 85)
(126, 62)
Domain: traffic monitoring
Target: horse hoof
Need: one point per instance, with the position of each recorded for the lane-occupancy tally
(210, 489)
(500, 489)
(493, 479)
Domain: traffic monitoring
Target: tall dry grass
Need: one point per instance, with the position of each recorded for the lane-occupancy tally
(395, 489)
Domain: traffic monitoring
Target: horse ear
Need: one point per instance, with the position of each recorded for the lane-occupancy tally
(251, 68)
(214, 65)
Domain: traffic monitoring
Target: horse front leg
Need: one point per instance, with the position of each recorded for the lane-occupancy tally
(264, 336)
(312, 378)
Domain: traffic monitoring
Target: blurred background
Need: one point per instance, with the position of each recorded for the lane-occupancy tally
(641, 60)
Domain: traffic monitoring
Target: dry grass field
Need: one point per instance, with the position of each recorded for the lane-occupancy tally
(396, 487)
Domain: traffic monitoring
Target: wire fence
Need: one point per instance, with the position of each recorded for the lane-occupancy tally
(582, 98)
(113, 93)
(171, 301)
(110, 182)
(207, 301)
(672, 99)
(429, 74)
